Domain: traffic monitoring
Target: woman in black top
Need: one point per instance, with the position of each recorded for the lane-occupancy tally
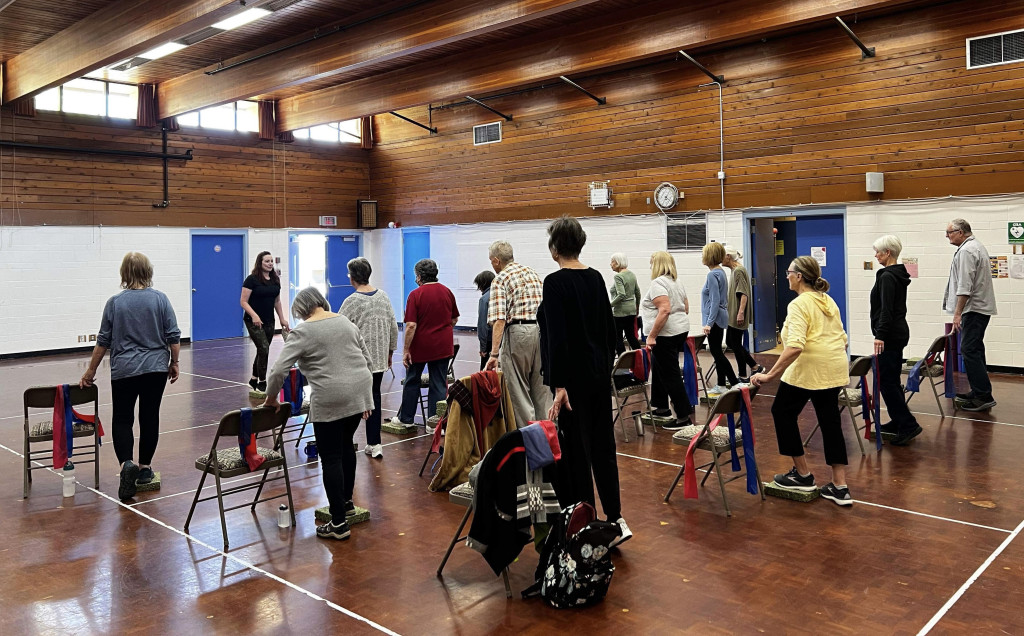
(889, 326)
(577, 343)
(261, 298)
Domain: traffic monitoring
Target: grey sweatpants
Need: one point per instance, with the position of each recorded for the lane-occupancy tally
(519, 358)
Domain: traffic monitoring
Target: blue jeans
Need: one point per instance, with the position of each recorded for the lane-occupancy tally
(972, 348)
(438, 370)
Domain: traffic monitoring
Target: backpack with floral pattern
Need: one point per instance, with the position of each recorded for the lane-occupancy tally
(575, 569)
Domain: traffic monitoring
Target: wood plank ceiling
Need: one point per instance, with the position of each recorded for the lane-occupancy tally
(329, 60)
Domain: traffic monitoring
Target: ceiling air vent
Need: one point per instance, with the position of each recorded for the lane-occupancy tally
(487, 134)
(990, 50)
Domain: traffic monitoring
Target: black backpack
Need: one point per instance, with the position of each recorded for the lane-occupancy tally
(575, 569)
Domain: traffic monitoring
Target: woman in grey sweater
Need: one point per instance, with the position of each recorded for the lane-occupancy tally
(334, 358)
(625, 301)
(371, 311)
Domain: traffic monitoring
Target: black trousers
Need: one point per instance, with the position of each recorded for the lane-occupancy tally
(337, 461)
(148, 390)
(373, 422)
(722, 365)
(734, 340)
(261, 337)
(667, 377)
(890, 366)
(972, 347)
(789, 401)
(588, 447)
(625, 325)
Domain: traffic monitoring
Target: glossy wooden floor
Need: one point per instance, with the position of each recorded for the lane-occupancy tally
(926, 518)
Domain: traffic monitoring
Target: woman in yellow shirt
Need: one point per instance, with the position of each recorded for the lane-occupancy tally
(813, 366)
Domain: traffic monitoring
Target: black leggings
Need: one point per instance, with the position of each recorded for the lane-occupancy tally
(148, 390)
(666, 376)
(588, 448)
(373, 422)
(734, 340)
(722, 365)
(337, 461)
(625, 325)
(261, 337)
(890, 365)
(789, 401)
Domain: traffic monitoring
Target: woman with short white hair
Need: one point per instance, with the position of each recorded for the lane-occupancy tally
(891, 332)
(625, 302)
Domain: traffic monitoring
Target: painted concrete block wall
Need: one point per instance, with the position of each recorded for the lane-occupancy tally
(383, 248)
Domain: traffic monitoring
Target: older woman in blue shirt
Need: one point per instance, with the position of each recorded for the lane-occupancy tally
(714, 309)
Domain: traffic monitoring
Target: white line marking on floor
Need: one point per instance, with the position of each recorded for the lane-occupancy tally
(229, 557)
(921, 514)
(970, 581)
(196, 375)
(166, 395)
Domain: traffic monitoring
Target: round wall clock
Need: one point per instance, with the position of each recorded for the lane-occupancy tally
(666, 196)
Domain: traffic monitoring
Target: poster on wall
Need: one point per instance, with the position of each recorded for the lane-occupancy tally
(1017, 266)
(911, 264)
(1015, 232)
(818, 254)
(1000, 266)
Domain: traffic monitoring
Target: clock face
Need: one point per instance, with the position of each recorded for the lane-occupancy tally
(666, 196)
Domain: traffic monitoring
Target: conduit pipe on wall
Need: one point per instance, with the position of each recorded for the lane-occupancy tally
(721, 141)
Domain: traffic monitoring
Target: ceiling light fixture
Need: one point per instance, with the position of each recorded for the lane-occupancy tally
(162, 50)
(240, 19)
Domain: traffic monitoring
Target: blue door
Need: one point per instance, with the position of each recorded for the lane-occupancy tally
(293, 270)
(218, 269)
(827, 233)
(415, 246)
(340, 250)
(762, 261)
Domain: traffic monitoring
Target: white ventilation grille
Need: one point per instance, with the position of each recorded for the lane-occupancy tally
(487, 134)
(990, 50)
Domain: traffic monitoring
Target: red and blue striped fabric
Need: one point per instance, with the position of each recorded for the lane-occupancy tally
(292, 391)
(690, 490)
(64, 419)
(247, 441)
(690, 371)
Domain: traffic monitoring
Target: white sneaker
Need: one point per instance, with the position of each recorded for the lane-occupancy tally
(627, 534)
(717, 390)
(368, 449)
(376, 451)
(398, 422)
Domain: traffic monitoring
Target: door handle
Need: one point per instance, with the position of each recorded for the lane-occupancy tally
(193, 290)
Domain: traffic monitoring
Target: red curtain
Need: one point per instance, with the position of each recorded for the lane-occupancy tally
(286, 137)
(366, 132)
(25, 107)
(266, 116)
(146, 114)
(171, 124)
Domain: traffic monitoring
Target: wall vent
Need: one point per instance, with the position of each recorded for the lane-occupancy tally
(991, 50)
(487, 134)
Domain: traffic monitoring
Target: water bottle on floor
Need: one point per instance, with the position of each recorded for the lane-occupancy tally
(284, 517)
(69, 479)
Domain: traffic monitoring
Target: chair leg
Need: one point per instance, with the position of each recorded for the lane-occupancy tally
(935, 392)
(96, 449)
(811, 436)
(288, 489)
(302, 430)
(195, 500)
(259, 491)
(220, 507)
(426, 459)
(618, 416)
(27, 477)
(675, 482)
(508, 586)
(721, 482)
(455, 539)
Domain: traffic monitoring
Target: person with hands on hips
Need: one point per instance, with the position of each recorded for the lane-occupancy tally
(261, 298)
(141, 332)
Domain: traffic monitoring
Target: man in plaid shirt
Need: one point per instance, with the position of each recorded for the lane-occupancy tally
(512, 312)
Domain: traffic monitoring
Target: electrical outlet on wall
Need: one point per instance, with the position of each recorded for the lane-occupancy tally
(81, 338)
(92, 337)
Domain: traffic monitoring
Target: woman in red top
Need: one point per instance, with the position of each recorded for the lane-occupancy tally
(430, 316)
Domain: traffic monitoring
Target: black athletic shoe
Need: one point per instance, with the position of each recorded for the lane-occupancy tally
(904, 438)
(890, 427)
(145, 476)
(794, 481)
(662, 413)
(977, 404)
(965, 397)
(129, 473)
(676, 425)
(839, 495)
(261, 386)
(350, 510)
(253, 382)
(332, 530)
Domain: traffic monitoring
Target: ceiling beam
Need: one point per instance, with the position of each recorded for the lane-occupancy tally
(389, 38)
(116, 32)
(643, 31)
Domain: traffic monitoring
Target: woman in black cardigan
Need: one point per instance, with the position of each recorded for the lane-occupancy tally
(577, 343)
(889, 326)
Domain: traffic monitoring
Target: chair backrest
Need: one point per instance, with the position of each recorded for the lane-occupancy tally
(263, 419)
(937, 346)
(451, 363)
(860, 367)
(729, 402)
(42, 397)
(624, 361)
(698, 340)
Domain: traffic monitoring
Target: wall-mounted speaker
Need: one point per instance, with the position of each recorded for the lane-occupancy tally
(366, 214)
(875, 182)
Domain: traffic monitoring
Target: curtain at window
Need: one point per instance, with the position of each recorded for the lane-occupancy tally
(146, 114)
(25, 107)
(266, 116)
(171, 124)
(366, 133)
(286, 137)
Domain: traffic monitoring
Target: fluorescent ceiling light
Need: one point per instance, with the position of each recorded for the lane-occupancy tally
(162, 50)
(238, 20)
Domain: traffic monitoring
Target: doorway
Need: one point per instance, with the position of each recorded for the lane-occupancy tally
(321, 260)
(218, 270)
(775, 239)
(415, 247)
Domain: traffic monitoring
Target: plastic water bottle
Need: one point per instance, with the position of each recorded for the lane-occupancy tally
(284, 517)
(69, 479)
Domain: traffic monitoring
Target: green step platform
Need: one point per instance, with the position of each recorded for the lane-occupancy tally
(794, 495)
(323, 515)
(151, 486)
(257, 395)
(399, 429)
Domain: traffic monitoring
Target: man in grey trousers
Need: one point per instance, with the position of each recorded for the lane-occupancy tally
(972, 301)
(512, 312)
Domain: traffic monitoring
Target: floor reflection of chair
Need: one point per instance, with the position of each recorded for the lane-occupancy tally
(717, 443)
(934, 358)
(228, 462)
(42, 397)
(463, 496)
(850, 397)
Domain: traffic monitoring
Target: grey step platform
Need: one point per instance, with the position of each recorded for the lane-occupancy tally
(323, 515)
(794, 495)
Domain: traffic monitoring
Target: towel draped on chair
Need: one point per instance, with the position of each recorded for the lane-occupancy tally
(64, 419)
(747, 429)
(690, 371)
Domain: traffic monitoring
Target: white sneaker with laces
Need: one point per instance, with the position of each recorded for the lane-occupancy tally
(717, 390)
(368, 449)
(398, 422)
(376, 451)
(627, 534)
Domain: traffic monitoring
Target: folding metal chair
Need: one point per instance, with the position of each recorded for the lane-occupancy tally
(463, 496)
(850, 397)
(425, 383)
(718, 444)
(228, 462)
(43, 397)
(626, 385)
(934, 357)
(698, 345)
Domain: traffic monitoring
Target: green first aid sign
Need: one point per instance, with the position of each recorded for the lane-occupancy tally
(1015, 232)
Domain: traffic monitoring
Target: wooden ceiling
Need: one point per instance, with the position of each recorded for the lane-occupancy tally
(329, 60)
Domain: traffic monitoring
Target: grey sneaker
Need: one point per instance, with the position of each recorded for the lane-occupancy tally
(977, 404)
(331, 530)
(145, 476)
(129, 473)
(839, 495)
(794, 481)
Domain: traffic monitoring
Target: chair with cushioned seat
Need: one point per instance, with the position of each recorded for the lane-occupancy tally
(850, 397)
(43, 397)
(226, 463)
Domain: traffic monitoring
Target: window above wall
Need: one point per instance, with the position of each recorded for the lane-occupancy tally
(92, 97)
(687, 231)
(344, 132)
